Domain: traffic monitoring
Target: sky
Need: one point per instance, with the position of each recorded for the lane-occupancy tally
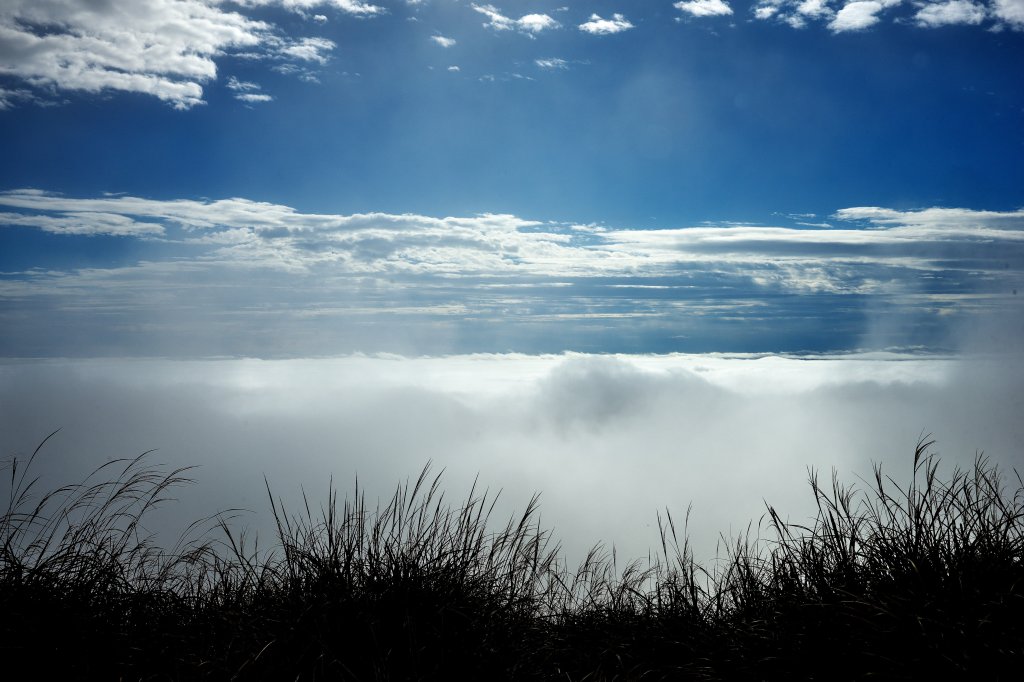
(434, 229)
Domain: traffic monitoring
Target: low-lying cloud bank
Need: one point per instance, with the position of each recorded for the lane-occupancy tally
(608, 440)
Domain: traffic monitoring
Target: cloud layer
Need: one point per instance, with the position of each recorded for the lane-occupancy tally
(879, 277)
(608, 441)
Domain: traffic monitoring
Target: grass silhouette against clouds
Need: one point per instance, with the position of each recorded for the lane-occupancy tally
(890, 580)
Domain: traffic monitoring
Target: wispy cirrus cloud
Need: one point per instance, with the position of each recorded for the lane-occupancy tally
(10, 97)
(552, 64)
(247, 91)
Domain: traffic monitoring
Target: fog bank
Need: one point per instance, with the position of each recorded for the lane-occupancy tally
(607, 440)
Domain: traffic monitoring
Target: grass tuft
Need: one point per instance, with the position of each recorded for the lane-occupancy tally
(888, 580)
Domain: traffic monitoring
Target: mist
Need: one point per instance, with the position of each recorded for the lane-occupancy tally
(607, 441)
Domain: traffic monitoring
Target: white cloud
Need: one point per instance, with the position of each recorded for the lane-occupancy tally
(454, 68)
(950, 13)
(598, 26)
(354, 7)
(535, 23)
(814, 8)
(315, 260)
(936, 221)
(307, 49)
(856, 16)
(247, 91)
(157, 47)
(442, 41)
(90, 223)
(507, 244)
(254, 97)
(498, 21)
(705, 8)
(725, 433)
(9, 97)
(552, 64)
(1010, 11)
(241, 86)
(530, 24)
(356, 282)
(163, 48)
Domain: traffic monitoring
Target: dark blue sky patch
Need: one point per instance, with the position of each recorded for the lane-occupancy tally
(451, 177)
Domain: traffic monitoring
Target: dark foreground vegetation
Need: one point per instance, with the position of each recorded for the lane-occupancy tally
(895, 581)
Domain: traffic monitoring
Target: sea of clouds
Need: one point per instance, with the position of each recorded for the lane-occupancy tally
(608, 440)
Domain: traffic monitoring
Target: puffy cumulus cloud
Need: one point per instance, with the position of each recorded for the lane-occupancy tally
(164, 48)
(530, 24)
(598, 26)
(724, 433)
(1010, 11)
(950, 13)
(442, 41)
(857, 15)
(795, 13)
(814, 8)
(705, 8)
(535, 23)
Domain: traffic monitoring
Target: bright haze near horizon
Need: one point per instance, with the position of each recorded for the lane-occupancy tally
(629, 255)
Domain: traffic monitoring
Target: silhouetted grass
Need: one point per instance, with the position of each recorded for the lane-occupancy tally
(889, 582)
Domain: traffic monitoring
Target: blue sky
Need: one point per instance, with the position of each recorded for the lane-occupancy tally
(299, 177)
